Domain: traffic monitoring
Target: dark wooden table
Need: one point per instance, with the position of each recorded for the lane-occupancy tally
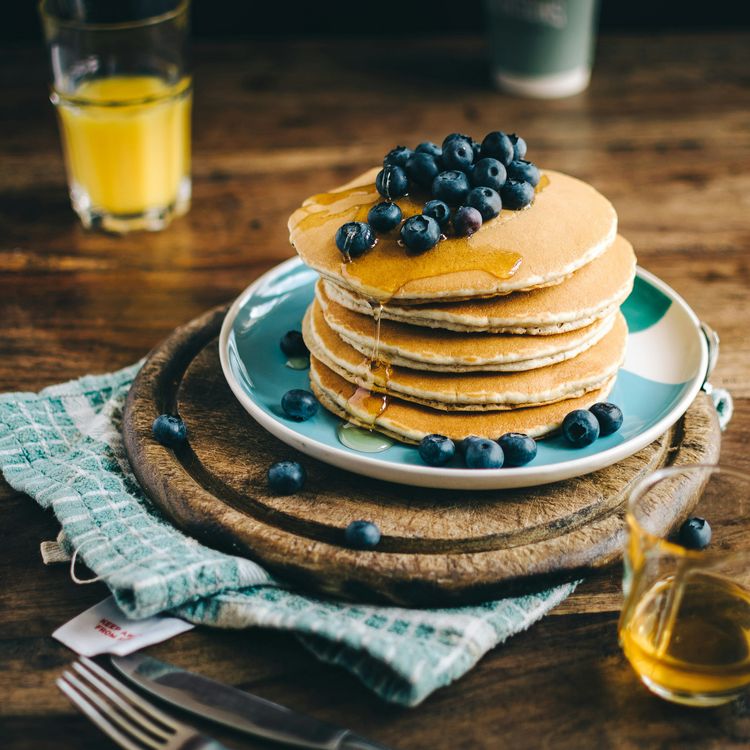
(664, 132)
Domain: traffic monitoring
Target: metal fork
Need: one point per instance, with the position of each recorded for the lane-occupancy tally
(132, 722)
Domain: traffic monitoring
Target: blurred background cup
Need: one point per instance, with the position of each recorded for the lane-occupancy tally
(685, 623)
(123, 91)
(542, 48)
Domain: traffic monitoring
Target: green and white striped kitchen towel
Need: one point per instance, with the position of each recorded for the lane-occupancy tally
(62, 446)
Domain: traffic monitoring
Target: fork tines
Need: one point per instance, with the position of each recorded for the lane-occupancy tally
(127, 718)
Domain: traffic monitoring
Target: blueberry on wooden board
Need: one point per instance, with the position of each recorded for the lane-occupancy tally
(169, 430)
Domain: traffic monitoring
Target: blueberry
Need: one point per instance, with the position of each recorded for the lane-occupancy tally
(476, 147)
(299, 405)
(422, 169)
(466, 442)
(383, 217)
(458, 154)
(355, 238)
(486, 201)
(420, 233)
(466, 221)
(580, 428)
(518, 448)
(519, 169)
(169, 430)
(362, 535)
(498, 146)
(450, 187)
(398, 156)
(609, 417)
(483, 454)
(392, 182)
(695, 533)
(436, 450)
(488, 173)
(438, 211)
(519, 146)
(293, 345)
(456, 137)
(286, 477)
(428, 147)
(517, 194)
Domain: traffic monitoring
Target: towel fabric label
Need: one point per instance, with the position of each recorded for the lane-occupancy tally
(104, 629)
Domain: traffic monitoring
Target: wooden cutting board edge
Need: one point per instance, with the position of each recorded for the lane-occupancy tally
(410, 579)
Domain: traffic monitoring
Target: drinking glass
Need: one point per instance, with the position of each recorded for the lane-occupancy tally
(542, 50)
(122, 90)
(685, 624)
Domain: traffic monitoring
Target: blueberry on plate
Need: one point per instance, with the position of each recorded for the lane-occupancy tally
(458, 154)
(436, 450)
(580, 428)
(422, 169)
(519, 169)
(383, 217)
(355, 238)
(428, 147)
(466, 442)
(519, 146)
(695, 533)
(293, 345)
(519, 449)
(420, 233)
(466, 221)
(517, 194)
(498, 146)
(398, 156)
(486, 201)
(483, 454)
(286, 477)
(169, 430)
(362, 535)
(609, 417)
(489, 173)
(439, 211)
(450, 187)
(456, 137)
(299, 404)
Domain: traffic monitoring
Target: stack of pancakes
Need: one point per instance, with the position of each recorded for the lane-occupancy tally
(504, 331)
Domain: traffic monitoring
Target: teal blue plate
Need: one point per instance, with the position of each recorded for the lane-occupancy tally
(665, 367)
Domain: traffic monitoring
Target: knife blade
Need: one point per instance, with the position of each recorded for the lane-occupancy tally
(235, 708)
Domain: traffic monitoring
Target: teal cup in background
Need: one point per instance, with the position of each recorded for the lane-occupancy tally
(542, 48)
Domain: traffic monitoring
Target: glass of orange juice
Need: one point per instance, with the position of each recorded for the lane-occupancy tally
(685, 624)
(123, 93)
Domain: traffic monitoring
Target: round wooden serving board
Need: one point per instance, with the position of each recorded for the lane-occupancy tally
(439, 547)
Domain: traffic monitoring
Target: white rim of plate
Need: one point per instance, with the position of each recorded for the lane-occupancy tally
(451, 478)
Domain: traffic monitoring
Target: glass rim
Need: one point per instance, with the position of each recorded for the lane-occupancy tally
(647, 483)
(179, 9)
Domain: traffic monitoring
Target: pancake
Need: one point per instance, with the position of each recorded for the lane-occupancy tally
(567, 226)
(470, 391)
(591, 293)
(409, 422)
(451, 351)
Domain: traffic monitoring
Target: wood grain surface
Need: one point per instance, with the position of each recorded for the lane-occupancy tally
(664, 132)
(438, 547)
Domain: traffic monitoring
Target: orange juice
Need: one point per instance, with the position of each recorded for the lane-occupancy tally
(127, 145)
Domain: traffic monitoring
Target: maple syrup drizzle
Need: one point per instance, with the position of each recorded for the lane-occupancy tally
(367, 405)
(374, 401)
(362, 440)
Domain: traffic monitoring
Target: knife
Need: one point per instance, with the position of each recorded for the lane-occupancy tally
(235, 708)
